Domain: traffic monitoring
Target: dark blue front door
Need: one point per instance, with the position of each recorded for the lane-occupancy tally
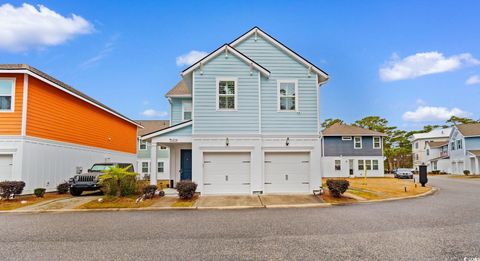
(185, 164)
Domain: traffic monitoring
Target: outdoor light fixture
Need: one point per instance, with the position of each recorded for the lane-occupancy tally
(287, 142)
(227, 142)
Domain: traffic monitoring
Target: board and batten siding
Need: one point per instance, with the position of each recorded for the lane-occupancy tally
(283, 67)
(176, 110)
(54, 115)
(335, 146)
(11, 122)
(209, 120)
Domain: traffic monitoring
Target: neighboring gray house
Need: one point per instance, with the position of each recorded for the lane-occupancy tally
(144, 149)
(245, 120)
(464, 148)
(351, 150)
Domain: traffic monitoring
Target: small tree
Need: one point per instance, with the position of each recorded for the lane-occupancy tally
(119, 182)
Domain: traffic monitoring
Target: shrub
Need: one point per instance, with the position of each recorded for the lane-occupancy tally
(8, 189)
(161, 193)
(466, 172)
(337, 187)
(435, 171)
(186, 189)
(149, 191)
(39, 192)
(63, 188)
(119, 182)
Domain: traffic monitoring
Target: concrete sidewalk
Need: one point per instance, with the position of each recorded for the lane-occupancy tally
(58, 204)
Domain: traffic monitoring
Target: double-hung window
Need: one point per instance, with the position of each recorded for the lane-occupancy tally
(459, 144)
(338, 165)
(144, 167)
(143, 145)
(187, 110)
(287, 95)
(377, 142)
(368, 164)
(360, 164)
(375, 164)
(160, 167)
(7, 93)
(357, 143)
(227, 94)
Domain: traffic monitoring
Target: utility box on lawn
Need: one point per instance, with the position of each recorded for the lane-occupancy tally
(422, 174)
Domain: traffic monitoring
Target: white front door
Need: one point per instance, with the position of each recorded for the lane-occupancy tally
(287, 172)
(226, 173)
(6, 164)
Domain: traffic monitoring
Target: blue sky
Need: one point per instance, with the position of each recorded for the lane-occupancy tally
(412, 62)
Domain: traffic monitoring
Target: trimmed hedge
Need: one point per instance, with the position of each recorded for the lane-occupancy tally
(39, 192)
(337, 186)
(8, 189)
(186, 189)
(63, 188)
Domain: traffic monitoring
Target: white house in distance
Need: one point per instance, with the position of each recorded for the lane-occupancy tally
(420, 141)
(464, 148)
(437, 156)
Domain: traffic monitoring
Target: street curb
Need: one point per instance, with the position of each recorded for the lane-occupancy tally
(310, 205)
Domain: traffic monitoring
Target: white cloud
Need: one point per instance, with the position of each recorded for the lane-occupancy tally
(154, 113)
(190, 58)
(26, 27)
(474, 79)
(103, 53)
(430, 113)
(420, 102)
(421, 64)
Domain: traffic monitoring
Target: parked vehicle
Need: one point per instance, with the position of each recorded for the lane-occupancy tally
(403, 174)
(89, 181)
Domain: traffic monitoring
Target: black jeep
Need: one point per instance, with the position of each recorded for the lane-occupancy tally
(89, 181)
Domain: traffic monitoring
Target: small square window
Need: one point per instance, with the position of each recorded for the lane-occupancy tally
(346, 137)
(162, 148)
(143, 145)
(338, 165)
(6, 95)
(187, 110)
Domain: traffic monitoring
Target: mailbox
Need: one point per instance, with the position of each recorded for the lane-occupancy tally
(422, 174)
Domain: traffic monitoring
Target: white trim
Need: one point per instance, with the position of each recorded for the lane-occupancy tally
(280, 46)
(183, 110)
(354, 142)
(14, 89)
(193, 101)
(235, 80)
(380, 142)
(160, 132)
(71, 93)
(259, 104)
(140, 145)
(164, 166)
(219, 51)
(141, 166)
(346, 137)
(319, 127)
(280, 81)
(24, 105)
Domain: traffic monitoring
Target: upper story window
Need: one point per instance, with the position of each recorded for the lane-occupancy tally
(346, 137)
(162, 147)
(428, 152)
(452, 145)
(226, 94)
(143, 145)
(287, 95)
(459, 144)
(7, 94)
(377, 142)
(357, 144)
(416, 145)
(187, 110)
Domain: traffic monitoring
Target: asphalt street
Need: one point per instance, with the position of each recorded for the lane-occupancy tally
(444, 226)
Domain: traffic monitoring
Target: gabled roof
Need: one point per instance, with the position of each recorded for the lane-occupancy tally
(25, 68)
(475, 152)
(227, 49)
(437, 144)
(179, 90)
(256, 30)
(471, 129)
(339, 129)
(166, 130)
(151, 126)
(436, 133)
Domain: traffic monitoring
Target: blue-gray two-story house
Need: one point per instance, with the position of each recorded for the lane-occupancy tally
(245, 120)
(464, 148)
(352, 151)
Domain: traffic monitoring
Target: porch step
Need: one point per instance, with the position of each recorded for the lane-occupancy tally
(170, 192)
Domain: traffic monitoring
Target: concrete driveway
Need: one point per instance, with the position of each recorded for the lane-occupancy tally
(257, 201)
(444, 226)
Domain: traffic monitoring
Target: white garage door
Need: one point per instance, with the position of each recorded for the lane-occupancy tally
(287, 172)
(6, 163)
(226, 173)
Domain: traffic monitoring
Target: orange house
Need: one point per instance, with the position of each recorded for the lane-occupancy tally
(49, 131)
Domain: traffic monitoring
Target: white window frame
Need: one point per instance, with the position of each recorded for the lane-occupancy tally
(368, 163)
(355, 143)
(142, 142)
(12, 104)
(163, 167)
(220, 79)
(379, 142)
(459, 145)
(339, 165)
(148, 167)
(279, 82)
(183, 109)
(362, 165)
(346, 137)
(373, 164)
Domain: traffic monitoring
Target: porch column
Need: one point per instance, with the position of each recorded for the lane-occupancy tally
(153, 163)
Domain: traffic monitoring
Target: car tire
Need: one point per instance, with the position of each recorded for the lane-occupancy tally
(75, 192)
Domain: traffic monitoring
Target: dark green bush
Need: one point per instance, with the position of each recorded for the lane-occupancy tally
(63, 188)
(466, 172)
(186, 189)
(149, 191)
(337, 186)
(128, 186)
(39, 192)
(8, 189)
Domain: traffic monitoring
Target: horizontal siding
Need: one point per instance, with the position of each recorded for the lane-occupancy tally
(176, 110)
(11, 122)
(282, 66)
(52, 114)
(207, 118)
(472, 143)
(145, 154)
(335, 146)
(183, 132)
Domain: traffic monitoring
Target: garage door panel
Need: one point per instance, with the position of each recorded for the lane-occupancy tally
(226, 173)
(6, 164)
(287, 172)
